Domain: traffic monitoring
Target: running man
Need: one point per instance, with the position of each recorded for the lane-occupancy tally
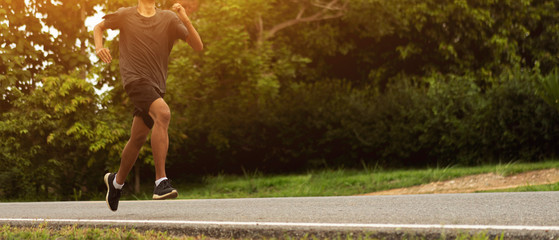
(147, 36)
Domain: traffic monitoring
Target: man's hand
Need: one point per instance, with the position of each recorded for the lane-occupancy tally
(104, 54)
(177, 7)
(193, 39)
(101, 52)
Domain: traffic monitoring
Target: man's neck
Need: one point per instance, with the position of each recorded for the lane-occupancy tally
(146, 7)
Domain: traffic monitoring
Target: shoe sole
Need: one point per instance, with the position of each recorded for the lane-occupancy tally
(172, 194)
(106, 178)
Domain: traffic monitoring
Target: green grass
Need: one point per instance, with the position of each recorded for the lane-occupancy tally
(339, 182)
(530, 188)
(44, 231)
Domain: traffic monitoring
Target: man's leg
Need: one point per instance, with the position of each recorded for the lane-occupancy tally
(161, 114)
(159, 111)
(138, 136)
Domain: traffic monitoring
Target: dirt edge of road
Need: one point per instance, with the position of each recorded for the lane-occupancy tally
(480, 182)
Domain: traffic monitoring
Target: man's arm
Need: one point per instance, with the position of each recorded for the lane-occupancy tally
(103, 53)
(193, 38)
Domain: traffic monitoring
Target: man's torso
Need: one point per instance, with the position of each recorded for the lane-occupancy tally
(145, 45)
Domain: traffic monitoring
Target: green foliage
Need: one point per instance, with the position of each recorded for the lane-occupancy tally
(550, 89)
(377, 40)
(27, 50)
(52, 127)
(445, 120)
(424, 84)
(431, 121)
(50, 140)
(283, 86)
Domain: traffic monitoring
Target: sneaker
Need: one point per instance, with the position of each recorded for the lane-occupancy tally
(113, 194)
(164, 191)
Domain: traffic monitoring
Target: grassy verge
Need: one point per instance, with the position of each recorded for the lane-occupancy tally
(530, 188)
(340, 182)
(73, 232)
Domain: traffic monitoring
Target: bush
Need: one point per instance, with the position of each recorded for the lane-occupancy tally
(436, 121)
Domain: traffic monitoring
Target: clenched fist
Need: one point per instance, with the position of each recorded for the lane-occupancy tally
(104, 54)
(178, 8)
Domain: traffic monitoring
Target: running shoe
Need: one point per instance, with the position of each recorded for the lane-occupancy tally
(113, 194)
(164, 191)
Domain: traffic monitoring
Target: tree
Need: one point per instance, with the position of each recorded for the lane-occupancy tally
(50, 135)
(319, 11)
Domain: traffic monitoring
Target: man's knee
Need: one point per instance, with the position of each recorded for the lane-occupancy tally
(164, 116)
(138, 138)
(160, 112)
(139, 132)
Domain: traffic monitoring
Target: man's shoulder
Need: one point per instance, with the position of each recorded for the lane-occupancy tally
(168, 14)
(127, 10)
(123, 11)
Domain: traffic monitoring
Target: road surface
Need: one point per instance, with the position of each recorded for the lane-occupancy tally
(518, 215)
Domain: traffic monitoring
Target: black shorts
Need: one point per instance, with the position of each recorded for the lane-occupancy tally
(143, 94)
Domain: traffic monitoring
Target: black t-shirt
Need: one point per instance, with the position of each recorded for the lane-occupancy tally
(145, 43)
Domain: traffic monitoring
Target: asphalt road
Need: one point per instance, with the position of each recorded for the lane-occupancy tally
(518, 215)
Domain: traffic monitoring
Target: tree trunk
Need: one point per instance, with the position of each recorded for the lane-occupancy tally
(137, 178)
(83, 49)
